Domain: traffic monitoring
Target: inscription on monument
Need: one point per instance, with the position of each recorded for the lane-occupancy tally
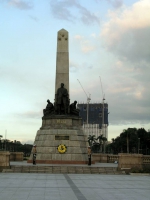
(61, 121)
(61, 137)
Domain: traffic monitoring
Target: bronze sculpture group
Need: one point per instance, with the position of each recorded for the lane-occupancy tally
(62, 104)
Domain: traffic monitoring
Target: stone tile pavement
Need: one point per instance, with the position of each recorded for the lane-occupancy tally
(20, 186)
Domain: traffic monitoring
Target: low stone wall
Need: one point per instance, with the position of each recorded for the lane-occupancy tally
(98, 157)
(125, 161)
(16, 156)
(4, 160)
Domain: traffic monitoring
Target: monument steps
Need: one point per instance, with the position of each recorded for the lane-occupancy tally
(63, 170)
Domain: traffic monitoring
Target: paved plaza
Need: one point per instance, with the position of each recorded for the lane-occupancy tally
(26, 186)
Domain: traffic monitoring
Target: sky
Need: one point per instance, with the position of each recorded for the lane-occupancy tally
(107, 38)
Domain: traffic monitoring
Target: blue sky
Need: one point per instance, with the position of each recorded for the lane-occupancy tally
(107, 38)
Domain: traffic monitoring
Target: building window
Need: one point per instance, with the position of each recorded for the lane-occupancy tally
(84, 108)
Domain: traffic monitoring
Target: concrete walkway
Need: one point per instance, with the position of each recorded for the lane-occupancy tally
(20, 186)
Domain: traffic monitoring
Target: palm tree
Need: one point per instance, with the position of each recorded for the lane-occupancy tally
(91, 140)
(101, 140)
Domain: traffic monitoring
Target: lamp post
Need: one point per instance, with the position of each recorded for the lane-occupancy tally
(88, 101)
(138, 145)
(127, 143)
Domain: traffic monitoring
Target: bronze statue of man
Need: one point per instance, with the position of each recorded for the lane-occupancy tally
(62, 99)
(73, 109)
(49, 108)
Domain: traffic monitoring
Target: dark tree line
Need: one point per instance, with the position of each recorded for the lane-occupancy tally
(15, 146)
(131, 140)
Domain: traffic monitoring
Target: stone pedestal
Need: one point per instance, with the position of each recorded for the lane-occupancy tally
(130, 161)
(4, 160)
(16, 156)
(56, 130)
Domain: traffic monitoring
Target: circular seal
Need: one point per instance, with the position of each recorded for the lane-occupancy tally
(62, 148)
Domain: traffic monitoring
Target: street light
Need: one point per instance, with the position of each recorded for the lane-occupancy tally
(138, 145)
(127, 143)
(88, 101)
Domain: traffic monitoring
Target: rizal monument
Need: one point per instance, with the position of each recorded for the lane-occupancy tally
(61, 139)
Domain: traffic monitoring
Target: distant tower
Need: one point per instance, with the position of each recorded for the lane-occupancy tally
(62, 60)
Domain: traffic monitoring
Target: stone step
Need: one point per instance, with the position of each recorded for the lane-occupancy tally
(63, 170)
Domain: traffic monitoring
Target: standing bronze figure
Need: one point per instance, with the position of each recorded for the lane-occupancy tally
(62, 100)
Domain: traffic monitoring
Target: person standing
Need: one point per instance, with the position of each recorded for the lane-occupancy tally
(34, 154)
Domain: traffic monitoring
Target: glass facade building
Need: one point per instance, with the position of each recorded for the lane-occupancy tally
(95, 124)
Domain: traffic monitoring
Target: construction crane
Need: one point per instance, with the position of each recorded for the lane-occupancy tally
(88, 101)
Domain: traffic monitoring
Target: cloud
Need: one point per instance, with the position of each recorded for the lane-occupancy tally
(85, 44)
(127, 32)
(86, 47)
(20, 4)
(128, 94)
(86, 16)
(78, 37)
(34, 18)
(114, 3)
(29, 114)
(68, 9)
(74, 66)
(60, 10)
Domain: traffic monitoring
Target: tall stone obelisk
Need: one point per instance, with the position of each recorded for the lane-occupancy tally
(62, 60)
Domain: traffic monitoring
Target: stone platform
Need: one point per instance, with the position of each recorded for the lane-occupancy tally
(65, 130)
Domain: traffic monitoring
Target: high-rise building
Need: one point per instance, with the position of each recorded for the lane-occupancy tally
(97, 118)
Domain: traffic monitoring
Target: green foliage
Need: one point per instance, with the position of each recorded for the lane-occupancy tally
(132, 140)
(136, 170)
(15, 146)
(91, 140)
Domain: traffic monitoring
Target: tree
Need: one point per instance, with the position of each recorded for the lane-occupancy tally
(91, 140)
(102, 140)
(130, 140)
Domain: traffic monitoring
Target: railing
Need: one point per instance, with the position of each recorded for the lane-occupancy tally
(112, 158)
(146, 160)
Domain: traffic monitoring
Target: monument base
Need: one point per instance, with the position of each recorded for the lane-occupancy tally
(61, 162)
(61, 130)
